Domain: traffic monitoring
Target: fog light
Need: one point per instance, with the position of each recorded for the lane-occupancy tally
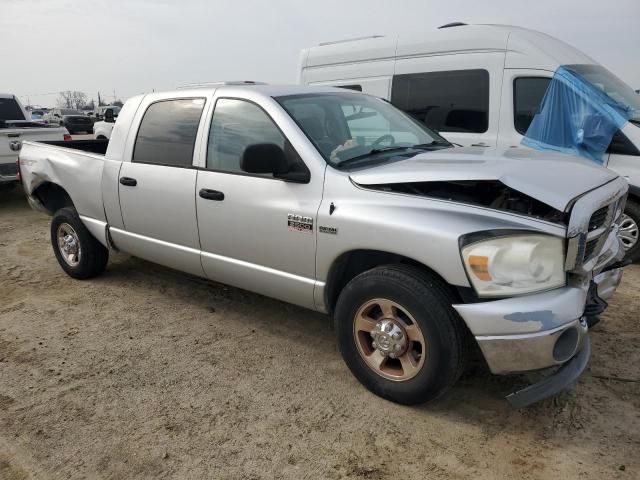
(566, 345)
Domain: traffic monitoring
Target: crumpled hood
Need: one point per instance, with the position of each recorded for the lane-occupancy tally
(554, 179)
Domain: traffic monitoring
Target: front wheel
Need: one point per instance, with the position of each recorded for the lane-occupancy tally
(78, 252)
(628, 231)
(399, 334)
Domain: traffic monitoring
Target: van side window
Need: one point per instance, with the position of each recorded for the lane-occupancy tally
(235, 125)
(167, 133)
(528, 93)
(453, 101)
(621, 145)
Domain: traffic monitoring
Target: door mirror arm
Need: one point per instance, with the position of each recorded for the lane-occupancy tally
(295, 177)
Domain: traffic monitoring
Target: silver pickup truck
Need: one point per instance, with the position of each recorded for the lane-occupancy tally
(338, 202)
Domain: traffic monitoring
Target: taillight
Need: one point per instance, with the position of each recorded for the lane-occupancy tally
(18, 169)
(67, 137)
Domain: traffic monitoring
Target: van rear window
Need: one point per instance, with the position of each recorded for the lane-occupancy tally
(451, 101)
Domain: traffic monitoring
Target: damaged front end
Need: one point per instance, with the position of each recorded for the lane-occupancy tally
(491, 194)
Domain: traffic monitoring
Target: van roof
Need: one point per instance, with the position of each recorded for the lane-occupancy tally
(523, 48)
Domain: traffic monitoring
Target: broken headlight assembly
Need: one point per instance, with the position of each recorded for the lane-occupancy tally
(515, 264)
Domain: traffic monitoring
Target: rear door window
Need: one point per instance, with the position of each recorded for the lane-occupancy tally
(451, 101)
(167, 133)
(528, 93)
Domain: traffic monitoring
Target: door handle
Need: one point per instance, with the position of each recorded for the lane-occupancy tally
(481, 144)
(128, 181)
(211, 194)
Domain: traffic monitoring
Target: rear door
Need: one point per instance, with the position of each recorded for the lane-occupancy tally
(157, 187)
(256, 231)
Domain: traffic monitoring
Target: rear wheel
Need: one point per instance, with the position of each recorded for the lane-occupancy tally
(629, 228)
(399, 334)
(78, 252)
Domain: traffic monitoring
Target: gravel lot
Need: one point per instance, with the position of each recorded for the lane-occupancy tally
(148, 373)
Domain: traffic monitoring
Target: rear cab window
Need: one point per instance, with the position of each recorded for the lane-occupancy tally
(10, 110)
(447, 101)
(167, 132)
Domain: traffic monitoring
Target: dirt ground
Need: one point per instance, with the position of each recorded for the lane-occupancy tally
(148, 373)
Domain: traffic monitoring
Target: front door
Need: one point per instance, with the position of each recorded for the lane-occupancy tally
(256, 231)
(157, 188)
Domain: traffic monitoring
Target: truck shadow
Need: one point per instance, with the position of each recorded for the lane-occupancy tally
(294, 324)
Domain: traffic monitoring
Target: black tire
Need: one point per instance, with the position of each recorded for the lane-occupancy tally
(428, 300)
(632, 210)
(93, 255)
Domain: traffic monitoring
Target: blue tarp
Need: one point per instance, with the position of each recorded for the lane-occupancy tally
(576, 117)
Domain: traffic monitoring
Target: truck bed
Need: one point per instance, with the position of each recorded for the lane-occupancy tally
(70, 165)
(92, 146)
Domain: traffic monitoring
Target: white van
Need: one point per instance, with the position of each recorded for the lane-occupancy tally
(478, 85)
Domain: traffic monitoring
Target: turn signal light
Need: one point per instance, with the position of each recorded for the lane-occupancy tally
(479, 265)
(66, 137)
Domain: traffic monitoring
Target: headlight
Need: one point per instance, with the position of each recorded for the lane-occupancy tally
(515, 265)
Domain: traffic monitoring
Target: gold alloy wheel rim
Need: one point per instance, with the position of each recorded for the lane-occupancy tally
(389, 340)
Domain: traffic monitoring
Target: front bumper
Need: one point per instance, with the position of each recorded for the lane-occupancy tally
(520, 334)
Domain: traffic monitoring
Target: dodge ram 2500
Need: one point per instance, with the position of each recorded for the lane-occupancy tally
(339, 202)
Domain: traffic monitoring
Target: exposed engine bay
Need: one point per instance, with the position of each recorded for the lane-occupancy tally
(486, 193)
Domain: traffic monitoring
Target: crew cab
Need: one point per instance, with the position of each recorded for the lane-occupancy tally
(15, 127)
(341, 203)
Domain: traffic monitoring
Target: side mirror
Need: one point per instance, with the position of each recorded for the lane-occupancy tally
(270, 158)
(264, 158)
(108, 116)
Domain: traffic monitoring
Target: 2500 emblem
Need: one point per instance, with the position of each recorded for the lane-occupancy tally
(298, 223)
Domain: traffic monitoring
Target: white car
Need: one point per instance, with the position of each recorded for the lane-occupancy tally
(102, 130)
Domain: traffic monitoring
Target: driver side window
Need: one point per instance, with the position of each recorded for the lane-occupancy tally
(235, 125)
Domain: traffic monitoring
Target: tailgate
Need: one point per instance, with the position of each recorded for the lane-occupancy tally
(21, 134)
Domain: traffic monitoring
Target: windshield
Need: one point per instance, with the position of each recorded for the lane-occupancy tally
(616, 89)
(354, 129)
(66, 111)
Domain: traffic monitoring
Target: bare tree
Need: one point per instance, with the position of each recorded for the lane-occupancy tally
(72, 99)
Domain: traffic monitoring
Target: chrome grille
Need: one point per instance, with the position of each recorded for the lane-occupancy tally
(599, 226)
(590, 225)
(590, 248)
(599, 218)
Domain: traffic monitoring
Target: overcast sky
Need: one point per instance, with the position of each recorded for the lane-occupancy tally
(134, 46)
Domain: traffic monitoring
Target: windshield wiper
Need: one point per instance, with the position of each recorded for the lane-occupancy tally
(373, 151)
(434, 143)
